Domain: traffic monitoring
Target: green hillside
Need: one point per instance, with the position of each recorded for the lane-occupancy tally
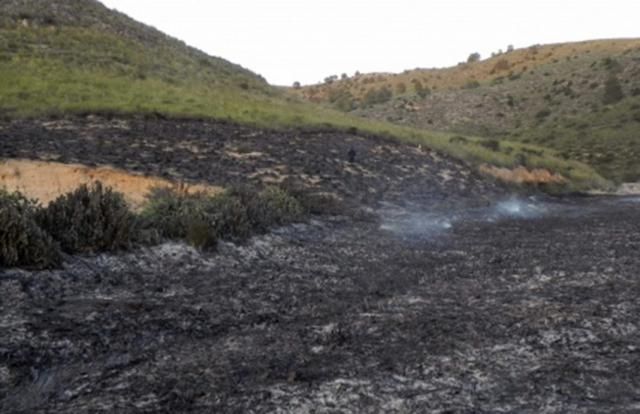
(76, 57)
(581, 99)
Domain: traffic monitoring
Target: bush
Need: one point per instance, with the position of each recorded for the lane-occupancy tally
(270, 207)
(474, 57)
(90, 219)
(200, 219)
(211, 218)
(22, 241)
(226, 215)
(377, 96)
(167, 212)
(612, 91)
(501, 65)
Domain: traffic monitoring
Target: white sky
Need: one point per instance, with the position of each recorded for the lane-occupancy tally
(307, 40)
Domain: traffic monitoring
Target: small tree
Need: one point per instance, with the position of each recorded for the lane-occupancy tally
(474, 57)
(296, 85)
(330, 79)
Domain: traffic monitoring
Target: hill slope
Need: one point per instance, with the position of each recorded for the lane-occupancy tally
(582, 99)
(78, 57)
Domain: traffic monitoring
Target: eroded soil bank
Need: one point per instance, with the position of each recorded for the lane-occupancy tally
(505, 313)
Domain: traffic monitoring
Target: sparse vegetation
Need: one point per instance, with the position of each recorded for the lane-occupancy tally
(69, 62)
(574, 98)
(95, 219)
(233, 215)
(91, 219)
(272, 207)
(22, 241)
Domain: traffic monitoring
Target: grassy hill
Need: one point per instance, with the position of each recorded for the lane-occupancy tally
(77, 56)
(581, 99)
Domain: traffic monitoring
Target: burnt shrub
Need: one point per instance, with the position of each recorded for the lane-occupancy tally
(22, 242)
(90, 219)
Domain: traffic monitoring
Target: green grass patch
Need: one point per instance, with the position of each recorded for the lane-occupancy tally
(69, 70)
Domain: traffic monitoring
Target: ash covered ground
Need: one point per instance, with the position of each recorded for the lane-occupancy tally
(434, 291)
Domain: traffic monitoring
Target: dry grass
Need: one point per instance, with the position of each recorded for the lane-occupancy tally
(456, 77)
(46, 181)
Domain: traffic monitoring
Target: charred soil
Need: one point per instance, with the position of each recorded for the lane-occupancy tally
(337, 314)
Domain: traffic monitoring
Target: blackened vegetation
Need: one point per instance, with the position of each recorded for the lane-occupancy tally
(229, 155)
(331, 314)
(336, 316)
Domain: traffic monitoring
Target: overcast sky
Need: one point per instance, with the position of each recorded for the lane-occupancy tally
(307, 40)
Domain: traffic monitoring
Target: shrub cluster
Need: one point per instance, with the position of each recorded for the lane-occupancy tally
(22, 241)
(95, 219)
(377, 96)
(612, 91)
(90, 219)
(234, 215)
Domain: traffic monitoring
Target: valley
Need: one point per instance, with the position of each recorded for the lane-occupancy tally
(427, 291)
(455, 240)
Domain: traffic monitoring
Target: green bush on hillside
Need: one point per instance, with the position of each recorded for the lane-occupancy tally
(612, 91)
(377, 96)
(474, 57)
(22, 241)
(90, 219)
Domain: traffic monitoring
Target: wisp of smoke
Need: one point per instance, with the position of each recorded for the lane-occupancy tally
(411, 222)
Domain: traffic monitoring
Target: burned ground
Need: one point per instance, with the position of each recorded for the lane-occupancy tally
(224, 153)
(492, 313)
